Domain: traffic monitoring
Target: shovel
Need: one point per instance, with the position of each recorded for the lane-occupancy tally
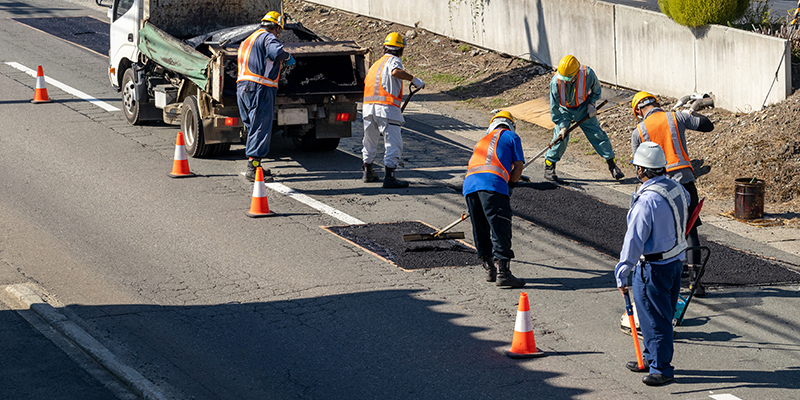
(570, 129)
(412, 90)
(440, 235)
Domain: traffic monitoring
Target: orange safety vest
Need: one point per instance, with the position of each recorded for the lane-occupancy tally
(374, 93)
(580, 89)
(661, 128)
(484, 157)
(245, 74)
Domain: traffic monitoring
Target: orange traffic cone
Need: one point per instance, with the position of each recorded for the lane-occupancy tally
(524, 345)
(180, 166)
(259, 207)
(40, 93)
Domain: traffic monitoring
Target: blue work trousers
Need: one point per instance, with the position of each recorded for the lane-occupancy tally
(591, 128)
(655, 291)
(490, 213)
(257, 108)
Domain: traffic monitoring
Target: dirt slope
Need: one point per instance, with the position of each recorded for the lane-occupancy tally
(763, 144)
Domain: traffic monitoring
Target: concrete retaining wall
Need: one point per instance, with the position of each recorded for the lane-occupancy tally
(626, 46)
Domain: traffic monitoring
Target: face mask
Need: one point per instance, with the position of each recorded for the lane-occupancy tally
(565, 78)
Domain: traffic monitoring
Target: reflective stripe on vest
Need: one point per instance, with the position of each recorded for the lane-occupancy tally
(672, 192)
(656, 128)
(580, 89)
(245, 74)
(484, 157)
(373, 89)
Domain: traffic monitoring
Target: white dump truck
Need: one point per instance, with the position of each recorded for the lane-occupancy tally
(176, 61)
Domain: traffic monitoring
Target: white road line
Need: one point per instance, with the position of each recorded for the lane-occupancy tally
(723, 397)
(314, 204)
(66, 88)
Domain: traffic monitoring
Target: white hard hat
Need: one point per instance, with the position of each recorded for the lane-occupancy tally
(649, 155)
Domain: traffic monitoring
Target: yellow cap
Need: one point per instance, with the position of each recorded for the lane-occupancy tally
(395, 40)
(503, 118)
(568, 66)
(638, 100)
(274, 18)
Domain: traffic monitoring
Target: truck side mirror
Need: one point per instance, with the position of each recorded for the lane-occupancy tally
(102, 4)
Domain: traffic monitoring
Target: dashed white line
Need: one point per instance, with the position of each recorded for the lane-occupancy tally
(66, 88)
(314, 204)
(723, 397)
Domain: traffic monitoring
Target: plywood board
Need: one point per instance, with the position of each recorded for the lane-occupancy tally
(536, 111)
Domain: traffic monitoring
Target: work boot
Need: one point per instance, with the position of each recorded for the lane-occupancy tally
(491, 270)
(369, 173)
(504, 277)
(634, 366)
(699, 291)
(550, 171)
(250, 174)
(391, 182)
(614, 169)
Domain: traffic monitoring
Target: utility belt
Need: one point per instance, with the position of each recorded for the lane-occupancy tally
(675, 251)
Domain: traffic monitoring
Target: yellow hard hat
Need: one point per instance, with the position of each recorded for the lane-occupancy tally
(273, 17)
(395, 40)
(502, 118)
(639, 100)
(568, 66)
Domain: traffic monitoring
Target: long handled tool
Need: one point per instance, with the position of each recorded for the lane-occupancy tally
(440, 235)
(411, 91)
(629, 310)
(693, 284)
(556, 140)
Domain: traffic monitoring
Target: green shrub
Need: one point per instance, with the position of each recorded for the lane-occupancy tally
(703, 12)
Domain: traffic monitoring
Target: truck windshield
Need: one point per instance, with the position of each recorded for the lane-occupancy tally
(122, 7)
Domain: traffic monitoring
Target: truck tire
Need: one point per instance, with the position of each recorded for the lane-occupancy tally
(129, 106)
(192, 127)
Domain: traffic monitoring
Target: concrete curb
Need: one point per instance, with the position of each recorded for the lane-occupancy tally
(140, 385)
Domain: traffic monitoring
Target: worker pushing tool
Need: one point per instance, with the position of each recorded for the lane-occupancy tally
(668, 129)
(383, 93)
(574, 92)
(494, 170)
(651, 260)
(260, 58)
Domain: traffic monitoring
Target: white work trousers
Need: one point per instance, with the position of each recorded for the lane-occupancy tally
(374, 127)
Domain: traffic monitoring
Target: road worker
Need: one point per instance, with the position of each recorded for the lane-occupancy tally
(383, 93)
(656, 225)
(260, 58)
(494, 170)
(574, 91)
(668, 130)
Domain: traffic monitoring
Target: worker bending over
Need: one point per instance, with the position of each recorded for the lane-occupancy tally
(668, 130)
(383, 93)
(651, 259)
(494, 169)
(260, 58)
(574, 91)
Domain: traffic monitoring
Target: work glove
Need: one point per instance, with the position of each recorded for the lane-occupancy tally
(418, 82)
(511, 186)
(562, 134)
(591, 111)
(290, 61)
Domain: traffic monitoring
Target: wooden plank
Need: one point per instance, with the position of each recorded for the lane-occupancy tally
(536, 111)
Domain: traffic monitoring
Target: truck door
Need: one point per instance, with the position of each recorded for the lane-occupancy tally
(125, 16)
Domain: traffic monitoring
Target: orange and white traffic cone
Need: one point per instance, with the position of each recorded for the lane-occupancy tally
(40, 93)
(524, 344)
(259, 207)
(180, 165)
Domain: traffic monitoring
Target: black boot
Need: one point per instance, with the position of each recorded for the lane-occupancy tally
(491, 270)
(504, 277)
(250, 174)
(391, 182)
(614, 169)
(369, 173)
(699, 291)
(550, 171)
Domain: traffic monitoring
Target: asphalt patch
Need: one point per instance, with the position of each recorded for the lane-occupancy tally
(385, 240)
(586, 220)
(87, 32)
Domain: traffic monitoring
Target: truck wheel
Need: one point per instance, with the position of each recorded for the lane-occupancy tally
(192, 127)
(129, 106)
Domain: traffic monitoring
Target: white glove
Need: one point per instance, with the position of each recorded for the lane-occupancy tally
(418, 82)
(562, 134)
(591, 110)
